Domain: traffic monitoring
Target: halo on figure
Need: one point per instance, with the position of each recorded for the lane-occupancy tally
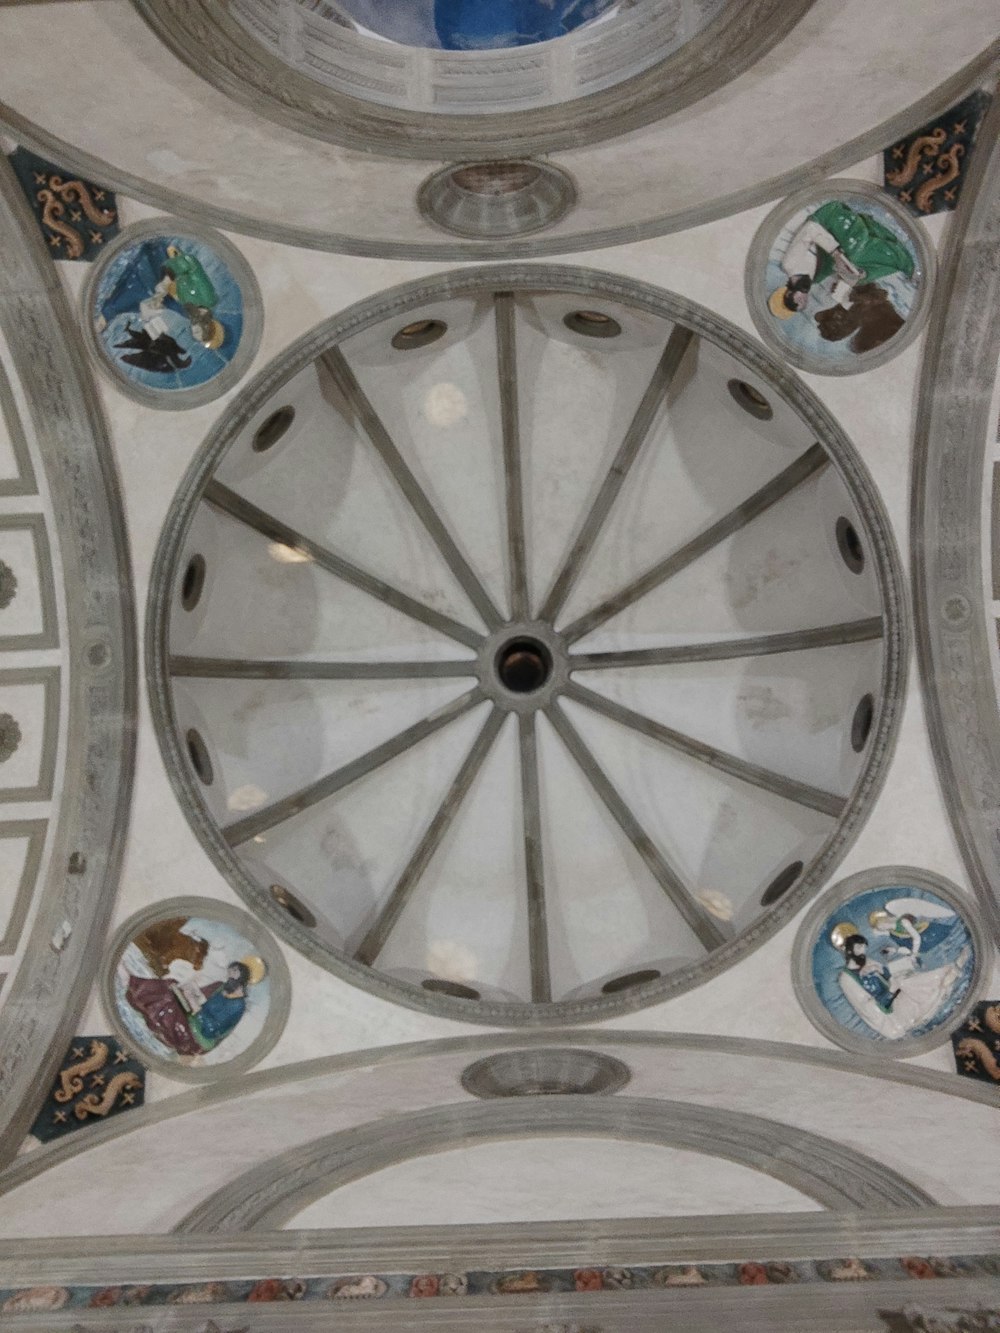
(256, 967)
(841, 933)
(776, 304)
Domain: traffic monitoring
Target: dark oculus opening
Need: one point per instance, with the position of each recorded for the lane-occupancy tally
(524, 665)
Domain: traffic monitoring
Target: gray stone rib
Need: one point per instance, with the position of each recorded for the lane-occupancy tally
(720, 650)
(513, 479)
(243, 829)
(268, 1197)
(635, 437)
(336, 363)
(805, 466)
(221, 497)
(534, 865)
(955, 430)
(234, 668)
(374, 941)
(45, 997)
(814, 798)
(628, 1242)
(707, 931)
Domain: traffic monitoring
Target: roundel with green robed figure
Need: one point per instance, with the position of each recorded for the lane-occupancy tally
(838, 278)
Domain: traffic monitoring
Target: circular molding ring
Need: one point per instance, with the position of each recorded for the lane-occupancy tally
(253, 315)
(250, 929)
(395, 306)
(220, 49)
(761, 247)
(887, 877)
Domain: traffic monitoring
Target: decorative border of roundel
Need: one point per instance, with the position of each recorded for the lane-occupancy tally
(281, 986)
(399, 302)
(253, 315)
(878, 877)
(760, 250)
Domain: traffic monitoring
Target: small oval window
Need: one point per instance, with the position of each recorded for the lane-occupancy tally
(295, 907)
(592, 324)
(439, 986)
(750, 399)
(193, 582)
(198, 754)
(861, 723)
(421, 333)
(852, 552)
(270, 431)
(781, 883)
(629, 980)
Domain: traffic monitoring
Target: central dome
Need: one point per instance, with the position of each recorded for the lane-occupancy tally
(526, 644)
(468, 25)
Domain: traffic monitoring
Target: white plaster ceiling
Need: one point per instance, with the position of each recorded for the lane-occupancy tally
(208, 150)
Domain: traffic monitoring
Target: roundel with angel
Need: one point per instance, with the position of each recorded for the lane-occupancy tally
(896, 960)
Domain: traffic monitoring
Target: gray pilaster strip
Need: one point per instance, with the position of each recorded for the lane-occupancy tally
(44, 1000)
(232, 668)
(804, 467)
(513, 479)
(955, 431)
(635, 437)
(814, 798)
(221, 497)
(534, 865)
(762, 645)
(371, 423)
(374, 941)
(668, 879)
(243, 829)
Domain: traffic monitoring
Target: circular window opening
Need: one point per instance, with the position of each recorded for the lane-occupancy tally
(781, 883)
(421, 333)
(592, 324)
(629, 980)
(861, 723)
(750, 399)
(193, 582)
(269, 432)
(438, 986)
(495, 178)
(852, 552)
(198, 754)
(295, 908)
(524, 665)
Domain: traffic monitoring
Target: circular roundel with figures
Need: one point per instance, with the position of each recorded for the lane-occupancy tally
(196, 989)
(839, 278)
(891, 957)
(172, 313)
